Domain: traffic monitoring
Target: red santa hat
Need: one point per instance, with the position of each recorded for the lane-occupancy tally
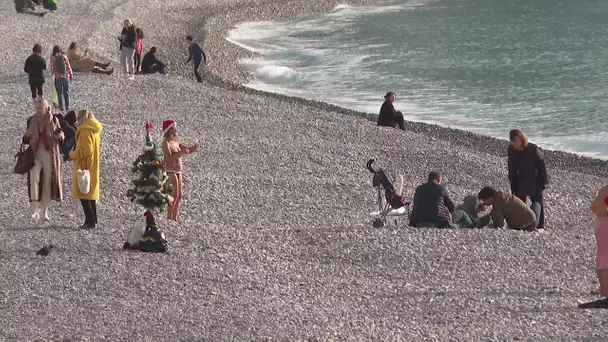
(168, 125)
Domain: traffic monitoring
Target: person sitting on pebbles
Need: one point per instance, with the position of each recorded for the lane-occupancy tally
(388, 116)
(507, 207)
(151, 64)
(172, 153)
(467, 215)
(433, 206)
(84, 63)
(27, 7)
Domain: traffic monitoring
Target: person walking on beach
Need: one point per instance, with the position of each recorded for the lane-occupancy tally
(527, 173)
(127, 39)
(599, 206)
(172, 152)
(44, 135)
(197, 55)
(35, 65)
(433, 206)
(507, 207)
(388, 116)
(62, 71)
(86, 157)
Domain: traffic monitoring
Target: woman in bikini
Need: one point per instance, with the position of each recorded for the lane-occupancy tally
(173, 151)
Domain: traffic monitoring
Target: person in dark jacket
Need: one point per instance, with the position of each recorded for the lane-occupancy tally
(527, 173)
(196, 54)
(68, 127)
(35, 65)
(388, 115)
(151, 64)
(432, 204)
(127, 48)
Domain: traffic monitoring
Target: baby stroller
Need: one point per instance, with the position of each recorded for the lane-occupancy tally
(393, 204)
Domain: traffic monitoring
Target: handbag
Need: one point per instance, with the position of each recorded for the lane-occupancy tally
(25, 160)
(84, 181)
(83, 177)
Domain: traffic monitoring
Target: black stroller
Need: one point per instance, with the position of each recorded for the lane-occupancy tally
(393, 204)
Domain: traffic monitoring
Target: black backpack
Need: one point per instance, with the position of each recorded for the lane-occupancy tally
(60, 67)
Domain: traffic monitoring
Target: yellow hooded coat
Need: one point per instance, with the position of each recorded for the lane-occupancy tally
(86, 157)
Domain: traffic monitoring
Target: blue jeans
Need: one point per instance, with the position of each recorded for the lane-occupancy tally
(66, 147)
(538, 207)
(63, 91)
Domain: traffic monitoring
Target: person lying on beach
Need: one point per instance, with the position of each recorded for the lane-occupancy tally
(433, 206)
(172, 152)
(84, 63)
(151, 64)
(27, 7)
(388, 116)
(507, 207)
(466, 215)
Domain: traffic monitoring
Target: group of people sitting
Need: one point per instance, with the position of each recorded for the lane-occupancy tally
(31, 6)
(433, 206)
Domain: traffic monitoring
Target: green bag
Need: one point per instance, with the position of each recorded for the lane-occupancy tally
(54, 96)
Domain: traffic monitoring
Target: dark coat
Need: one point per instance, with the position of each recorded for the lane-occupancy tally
(388, 115)
(34, 67)
(527, 171)
(432, 204)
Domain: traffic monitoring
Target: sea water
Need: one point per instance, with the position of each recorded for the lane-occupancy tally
(484, 66)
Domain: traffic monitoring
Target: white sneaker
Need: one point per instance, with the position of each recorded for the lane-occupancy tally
(35, 210)
(45, 214)
(132, 77)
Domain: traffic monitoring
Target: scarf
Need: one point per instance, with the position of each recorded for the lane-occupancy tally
(38, 123)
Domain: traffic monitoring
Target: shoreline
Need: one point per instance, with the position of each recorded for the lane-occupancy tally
(227, 73)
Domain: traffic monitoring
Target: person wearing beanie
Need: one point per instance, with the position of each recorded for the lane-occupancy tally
(388, 116)
(172, 153)
(599, 206)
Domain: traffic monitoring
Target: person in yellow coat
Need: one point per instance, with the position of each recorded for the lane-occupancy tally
(86, 157)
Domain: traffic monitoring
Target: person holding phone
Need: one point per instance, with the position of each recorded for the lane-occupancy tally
(84, 63)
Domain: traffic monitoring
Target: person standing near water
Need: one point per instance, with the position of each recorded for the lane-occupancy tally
(599, 206)
(527, 173)
(389, 117)
(196, 54)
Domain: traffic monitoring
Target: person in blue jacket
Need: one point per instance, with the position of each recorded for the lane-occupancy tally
(196, 54)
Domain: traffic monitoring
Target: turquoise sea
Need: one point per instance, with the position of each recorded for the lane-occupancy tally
(484, 66)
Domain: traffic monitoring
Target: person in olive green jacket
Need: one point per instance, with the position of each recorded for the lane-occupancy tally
(86, 157)
(507, 207)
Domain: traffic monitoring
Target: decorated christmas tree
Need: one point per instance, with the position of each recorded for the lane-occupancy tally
(150, 190)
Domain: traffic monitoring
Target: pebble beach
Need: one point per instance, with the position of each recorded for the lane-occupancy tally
(276, 241)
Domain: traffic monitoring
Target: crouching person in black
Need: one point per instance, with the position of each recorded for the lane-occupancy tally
(388, 115)
(68, 126)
